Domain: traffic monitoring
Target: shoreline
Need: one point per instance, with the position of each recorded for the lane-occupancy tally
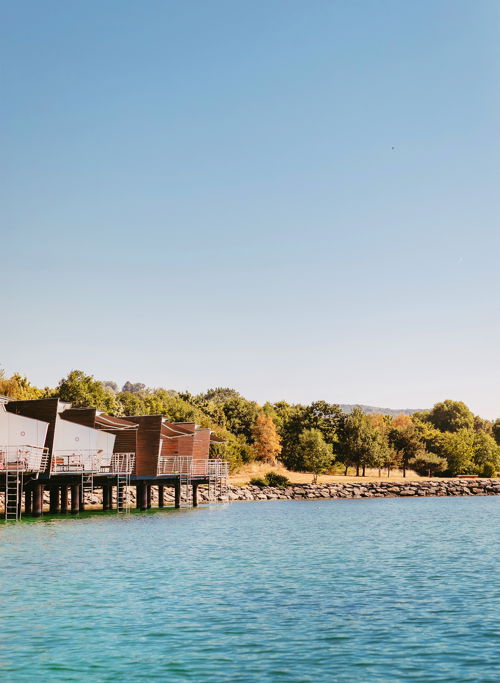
(369, 489)
(325, 491)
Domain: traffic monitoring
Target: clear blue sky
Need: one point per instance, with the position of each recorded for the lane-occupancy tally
(296, 199)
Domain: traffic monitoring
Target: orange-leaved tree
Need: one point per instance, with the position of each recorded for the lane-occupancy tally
(266, 440)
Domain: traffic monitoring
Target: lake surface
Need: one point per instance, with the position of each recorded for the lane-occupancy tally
(345, 590)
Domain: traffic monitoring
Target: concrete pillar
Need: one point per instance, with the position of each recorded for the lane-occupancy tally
(161, 500)
(38, 500)
(54, 500)
(75, 499)
(64, 499)
(195, 495)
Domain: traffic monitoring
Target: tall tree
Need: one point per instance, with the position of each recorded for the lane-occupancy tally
(360, 441)
(458, 449)
(450, 416)
(83, 390)
(266, 440)
(496, 431)
(405, 438)
(317, 453)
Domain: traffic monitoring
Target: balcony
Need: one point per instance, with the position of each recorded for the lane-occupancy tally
(192, 467)
(23, 459)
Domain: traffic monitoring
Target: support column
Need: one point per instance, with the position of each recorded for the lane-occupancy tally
(28, 502)
(75, 499)
(142, 496)
(177, 494)
(54, 500)
(148, 495)
(106, 497)
(161, 499)
(38, 500)
(82, 497)
(64, 499)
(195, 495)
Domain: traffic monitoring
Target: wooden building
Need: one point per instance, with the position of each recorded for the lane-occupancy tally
(72, 446)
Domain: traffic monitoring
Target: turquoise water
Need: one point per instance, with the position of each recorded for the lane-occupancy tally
(346, 590)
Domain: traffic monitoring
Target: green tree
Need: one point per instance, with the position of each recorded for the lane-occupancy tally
(240, 415)
(360, 442)
(458, 449)
(486, 450)
(496, 431)
(83, 390)
(405, 439)
(19, 388)
(317, 453)
(451, 416)
(428, 464)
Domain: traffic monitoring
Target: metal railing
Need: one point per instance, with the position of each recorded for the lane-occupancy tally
(23, 458)
(195, 467)
(178, 464)
(218, 469)
(122, 463)
(78, 461)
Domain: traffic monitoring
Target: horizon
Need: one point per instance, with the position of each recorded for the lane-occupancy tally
(300, 202)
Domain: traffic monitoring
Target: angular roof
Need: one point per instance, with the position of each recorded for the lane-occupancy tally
(103, 421)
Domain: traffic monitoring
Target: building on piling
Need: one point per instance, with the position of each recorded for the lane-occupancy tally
(85, 448)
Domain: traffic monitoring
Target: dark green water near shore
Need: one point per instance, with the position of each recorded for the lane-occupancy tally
(334, 590)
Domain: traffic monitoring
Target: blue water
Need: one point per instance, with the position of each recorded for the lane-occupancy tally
(346, 590)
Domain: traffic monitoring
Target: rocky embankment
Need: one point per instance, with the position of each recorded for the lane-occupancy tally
(372, 489)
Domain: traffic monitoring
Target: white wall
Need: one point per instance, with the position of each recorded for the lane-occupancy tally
(87, 442)
(16, 430)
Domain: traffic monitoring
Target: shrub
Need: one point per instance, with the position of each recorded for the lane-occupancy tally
(257, 481)
(275, 479)
(489, 470)
(270, 479)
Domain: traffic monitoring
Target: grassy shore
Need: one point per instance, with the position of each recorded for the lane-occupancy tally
(257, 469)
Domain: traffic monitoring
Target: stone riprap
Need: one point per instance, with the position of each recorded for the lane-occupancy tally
(370, 489)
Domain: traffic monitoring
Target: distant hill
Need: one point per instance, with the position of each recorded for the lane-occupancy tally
(370, 410)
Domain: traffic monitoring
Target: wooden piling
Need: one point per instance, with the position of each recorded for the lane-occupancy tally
(195, 495)
(177, 494)
(148, 495)
(161, 494)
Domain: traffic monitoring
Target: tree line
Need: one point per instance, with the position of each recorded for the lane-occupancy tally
(448, 439)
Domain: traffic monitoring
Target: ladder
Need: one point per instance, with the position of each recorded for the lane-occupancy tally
(13, 491)
(87, 485)
(223, 487)
(122, 496)
(185, 483)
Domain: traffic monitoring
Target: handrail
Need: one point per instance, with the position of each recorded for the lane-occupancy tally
(77, 461)
(23, 458)
(195, 467)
